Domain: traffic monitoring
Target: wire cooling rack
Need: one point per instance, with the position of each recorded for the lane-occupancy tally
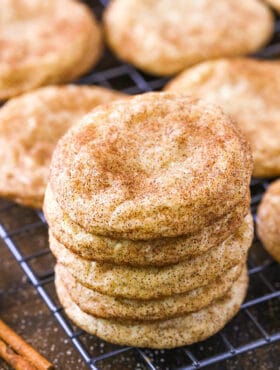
(24, 232)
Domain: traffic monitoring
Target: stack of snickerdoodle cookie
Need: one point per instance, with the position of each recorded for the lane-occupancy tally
(148, 208)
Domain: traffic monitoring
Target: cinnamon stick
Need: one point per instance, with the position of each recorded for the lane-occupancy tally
(16, 361)
(24, 349)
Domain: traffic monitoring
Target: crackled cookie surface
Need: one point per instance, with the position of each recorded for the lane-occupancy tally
(164, 37)
(248, 90)
(154, 165)
(169, 333)
(154, 252)
(154, 282)
(101, 305)
(30, 126)
(44, 42)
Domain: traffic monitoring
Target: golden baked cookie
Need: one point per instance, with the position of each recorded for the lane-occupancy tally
(30, 126)
(101, 305)
(164, 37)
(268, 220)
(154, 252)
(249, 90)
(153, 165)
(174, 332)
(45, 42)
(154, 282)
(274, 3)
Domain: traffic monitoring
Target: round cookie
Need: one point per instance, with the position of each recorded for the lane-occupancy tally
(242, 87)
(268, 220)
(101, 305)
(153, 165)
(155, 252)
(170, 333)
(44, 42)
(274, 3)
(152, 282)
(30, 126)
(167, 36)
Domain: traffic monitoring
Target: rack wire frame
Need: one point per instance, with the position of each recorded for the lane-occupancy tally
(120, 75)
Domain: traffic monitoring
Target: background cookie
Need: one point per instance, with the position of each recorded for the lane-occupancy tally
(242, 87)
(30, 126)
(154, 252)
(44, 42)
(183, 330)
(164, 37)
(152, 282)
(268, 220)
(154, 165)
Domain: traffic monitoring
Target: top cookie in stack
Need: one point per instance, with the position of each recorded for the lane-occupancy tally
(167, 166)
(148, 207)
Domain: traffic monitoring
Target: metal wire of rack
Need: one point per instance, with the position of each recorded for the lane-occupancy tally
(24, 232)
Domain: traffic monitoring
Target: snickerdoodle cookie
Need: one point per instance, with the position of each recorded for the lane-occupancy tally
(154, 282)
(153, 165)
(44, 42)
(167, 333)
(101, 305)
(155, 252)
(164, 37)
(249, 90)
(30, 126)
(268, 220)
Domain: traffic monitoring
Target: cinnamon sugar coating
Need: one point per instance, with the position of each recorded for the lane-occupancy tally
(168, 333)
(164, 37)
(45, 42)
(154, 165)
(101, 305)
(146, 283)
(248, 90)
(154, 252)
(30, 126)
